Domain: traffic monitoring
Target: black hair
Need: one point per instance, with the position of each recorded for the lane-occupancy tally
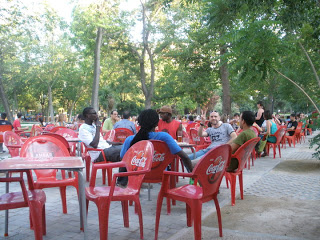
(19, 115)
(261, 104)
(236, 114)
(113, 111)
(86, 111)
(3, 116)
(248, 117)
(292, 115)
(267, 115)
(80, 117)
(190, 118)
(126, 114)
(41, 119)
(148, 119)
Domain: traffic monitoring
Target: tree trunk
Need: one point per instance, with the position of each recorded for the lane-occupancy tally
(96, 77)
(224, 75)
(5, 101)
(50, 107)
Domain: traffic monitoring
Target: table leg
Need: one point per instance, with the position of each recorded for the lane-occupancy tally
(194, 152)
(82, 204)
(6, 221)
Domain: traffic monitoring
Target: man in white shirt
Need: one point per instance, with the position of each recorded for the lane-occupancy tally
(89, 134)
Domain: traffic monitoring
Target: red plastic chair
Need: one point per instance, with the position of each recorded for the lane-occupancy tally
(242, 154)
(295, 137)
(69, 133)
(161, 159)
(48, 146)
(200, 142)
(191, 125)
(3, 129)
(60, 138)
(208, 172)
(86, 157)
(109, 136)
(54, 129)
(121, 134)
(34, 199)
(278, 134)
(13, 142)
(36, 130)
(137, 160)
(49, 127)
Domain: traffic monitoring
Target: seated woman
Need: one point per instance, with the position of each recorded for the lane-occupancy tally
(148, 121)
(271, 128)
(61, 121)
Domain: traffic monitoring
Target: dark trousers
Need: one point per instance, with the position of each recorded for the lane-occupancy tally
(113, 155)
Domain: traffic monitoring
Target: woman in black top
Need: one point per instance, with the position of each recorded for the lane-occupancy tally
(259, 114)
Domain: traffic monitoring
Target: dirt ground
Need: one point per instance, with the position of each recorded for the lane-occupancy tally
(278, 216)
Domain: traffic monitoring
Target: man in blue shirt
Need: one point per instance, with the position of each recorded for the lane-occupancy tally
(125, 123)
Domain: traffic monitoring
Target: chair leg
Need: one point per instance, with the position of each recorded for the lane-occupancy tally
(63, 199)
(36, 211)
(137, 203)
(241, 185)
(189, 215)
(196, 215)
(233, 189)
(125, 213)
(109, 172)
(104, 172)
(103, 211)
(216, 202)
(158, 212)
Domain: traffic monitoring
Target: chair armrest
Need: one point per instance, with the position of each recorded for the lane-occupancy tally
(94, 149)
(13, 146)
(181, 174)
(107, 165)
(125, 174)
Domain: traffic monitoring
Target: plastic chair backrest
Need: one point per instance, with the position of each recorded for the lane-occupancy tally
(191, 125)
(244, 151)
(36, 130)
(298, 129)
(60, 138)
(54, 129)
(195, 138)
(3, 129)
(255, 129)
(211, 168)
(279, 134)
(12, 139)
(109, 136)
(121, 134)
(49, 127)
(44, 146)
(162, 157)
(66, 132)
(138, 157)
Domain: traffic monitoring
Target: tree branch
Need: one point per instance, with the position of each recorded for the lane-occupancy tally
(299, 88)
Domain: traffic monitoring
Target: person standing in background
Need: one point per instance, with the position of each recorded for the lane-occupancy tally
(259, 114)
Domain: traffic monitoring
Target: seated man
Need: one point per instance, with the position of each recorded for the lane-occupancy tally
(148, 120)
(167, 124)
(219, 133)
(292, 124)
(90, 135)
(108, 123)
(247, 119)
(17, 123)
(125, 123)
(3, 121)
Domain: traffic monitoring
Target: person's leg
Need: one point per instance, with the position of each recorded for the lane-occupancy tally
(233, 165)
(198, 154)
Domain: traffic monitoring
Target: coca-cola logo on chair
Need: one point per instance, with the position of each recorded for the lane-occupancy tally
(214, 168)
(138, 161)
(158, 158)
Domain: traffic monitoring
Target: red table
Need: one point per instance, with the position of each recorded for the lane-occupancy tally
(62, 163)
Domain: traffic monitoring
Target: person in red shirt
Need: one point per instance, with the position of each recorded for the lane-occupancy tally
(167, 124)
(17, 123)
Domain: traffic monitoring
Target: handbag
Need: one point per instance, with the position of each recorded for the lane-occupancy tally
(262, 144)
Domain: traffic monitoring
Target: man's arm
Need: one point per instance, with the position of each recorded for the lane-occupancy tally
(96, 138)
(233, 136)
(186, 160)
(234, 147)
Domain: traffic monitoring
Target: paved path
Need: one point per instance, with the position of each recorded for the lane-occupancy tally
(66, 226)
